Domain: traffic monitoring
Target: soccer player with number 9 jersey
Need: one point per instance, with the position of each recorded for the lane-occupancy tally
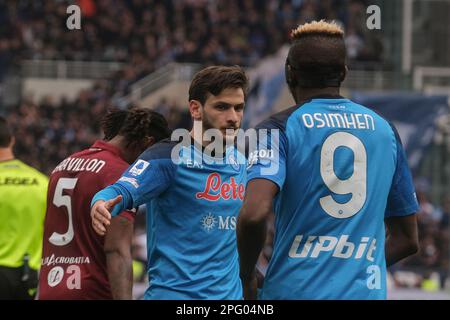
(333, 172)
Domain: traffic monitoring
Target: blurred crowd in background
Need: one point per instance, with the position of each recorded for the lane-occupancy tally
(147, 34)
(49, 131)
(431, 264)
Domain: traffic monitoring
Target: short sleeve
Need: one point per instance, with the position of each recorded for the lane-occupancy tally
(402, 200)
(149, 176)
(267, 160)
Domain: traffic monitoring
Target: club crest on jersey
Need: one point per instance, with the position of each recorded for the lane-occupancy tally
(233, 162)
(139, 167)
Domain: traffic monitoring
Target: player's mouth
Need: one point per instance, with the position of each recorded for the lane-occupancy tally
(231, 130)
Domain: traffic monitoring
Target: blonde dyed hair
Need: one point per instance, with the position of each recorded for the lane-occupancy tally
(321, 27)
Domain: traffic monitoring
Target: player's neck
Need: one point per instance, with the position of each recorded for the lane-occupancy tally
(120, 143)
(302, 94)
(206, 145)
(197, 136)
(6, 154)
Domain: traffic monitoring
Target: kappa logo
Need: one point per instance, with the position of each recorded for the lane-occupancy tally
(139, 167)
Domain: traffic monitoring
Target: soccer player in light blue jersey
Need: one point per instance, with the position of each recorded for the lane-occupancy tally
(192, 196)
(335, 174)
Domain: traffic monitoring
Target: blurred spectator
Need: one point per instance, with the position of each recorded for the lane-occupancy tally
(354, 43)
(147, 34)
(432, 260)
(444, 241)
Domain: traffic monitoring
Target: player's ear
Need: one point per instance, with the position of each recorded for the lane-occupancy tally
(195, 108)
(290, 76)
(344, 73)
(149, 141)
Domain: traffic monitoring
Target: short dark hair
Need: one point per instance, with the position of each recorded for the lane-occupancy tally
(213, 80)
(135, 124)
(5, 133)
(317, 56)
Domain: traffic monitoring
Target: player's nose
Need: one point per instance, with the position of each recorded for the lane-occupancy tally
(232, 117)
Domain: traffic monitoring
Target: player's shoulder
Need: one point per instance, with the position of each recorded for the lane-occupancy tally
(112, 160)
(109, 155)
(84, 152)
(378, 117)
(368, 110)
(160, 150)
(94, 165)
(277, 120)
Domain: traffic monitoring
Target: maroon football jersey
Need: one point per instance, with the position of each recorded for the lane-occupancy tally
(73, 260)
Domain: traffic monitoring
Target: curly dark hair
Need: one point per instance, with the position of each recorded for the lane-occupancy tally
(112, 122)
(134, 124)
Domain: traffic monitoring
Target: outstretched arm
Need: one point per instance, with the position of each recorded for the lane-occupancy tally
(101, 213)
(148, 177)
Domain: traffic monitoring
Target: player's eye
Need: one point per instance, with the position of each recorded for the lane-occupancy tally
(239, 108)
(221, 107)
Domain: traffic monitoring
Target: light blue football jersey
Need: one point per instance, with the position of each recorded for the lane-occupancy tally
(192, 206)
(341, 170)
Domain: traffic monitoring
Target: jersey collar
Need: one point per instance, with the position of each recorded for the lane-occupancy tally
(327, 96)
(7, 160)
